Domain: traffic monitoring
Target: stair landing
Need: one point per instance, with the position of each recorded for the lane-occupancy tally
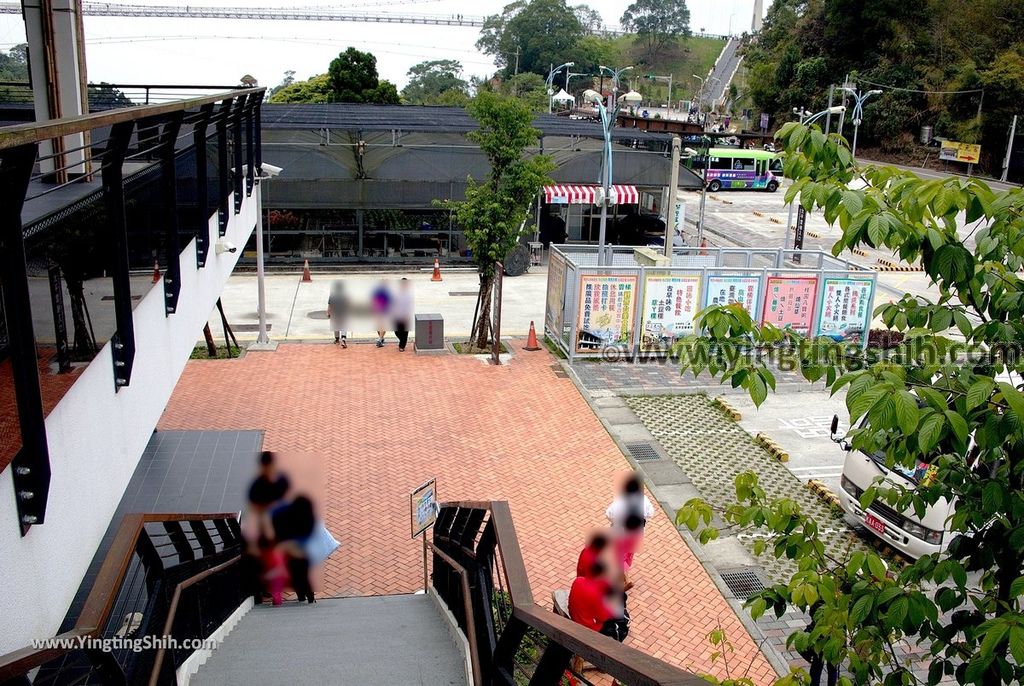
(400, 639)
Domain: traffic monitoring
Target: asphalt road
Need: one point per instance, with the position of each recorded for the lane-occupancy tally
(934, 174)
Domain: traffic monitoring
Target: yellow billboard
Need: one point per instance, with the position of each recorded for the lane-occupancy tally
(960, 152)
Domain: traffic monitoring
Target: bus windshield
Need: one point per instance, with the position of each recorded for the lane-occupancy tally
(914, 476)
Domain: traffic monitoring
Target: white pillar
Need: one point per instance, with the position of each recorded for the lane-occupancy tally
(59, 86)
(670, 205)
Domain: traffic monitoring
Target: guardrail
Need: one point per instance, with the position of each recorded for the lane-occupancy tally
(478, 571)
(153, 558)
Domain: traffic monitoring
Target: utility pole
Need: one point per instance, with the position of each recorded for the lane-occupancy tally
(828, 117)
(517, 62)
(706, 150)
(1009, 150)
(670, 206)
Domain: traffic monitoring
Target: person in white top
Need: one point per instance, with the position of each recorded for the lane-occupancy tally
(630, 501)
(401, 312)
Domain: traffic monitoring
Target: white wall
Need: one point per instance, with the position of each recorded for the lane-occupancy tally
(96, 437)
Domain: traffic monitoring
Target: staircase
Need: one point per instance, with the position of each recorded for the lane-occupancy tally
(399, 639)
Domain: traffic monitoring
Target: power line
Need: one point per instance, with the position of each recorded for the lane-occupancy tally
(914, 90)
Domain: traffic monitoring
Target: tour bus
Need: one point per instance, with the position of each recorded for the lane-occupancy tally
(743, 169)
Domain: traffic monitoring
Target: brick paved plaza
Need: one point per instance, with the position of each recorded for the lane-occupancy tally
(384, 422)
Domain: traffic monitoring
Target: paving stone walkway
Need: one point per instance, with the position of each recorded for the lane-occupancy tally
(382, 422)
(656, 375)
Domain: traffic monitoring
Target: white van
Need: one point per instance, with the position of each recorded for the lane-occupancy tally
(914, 536)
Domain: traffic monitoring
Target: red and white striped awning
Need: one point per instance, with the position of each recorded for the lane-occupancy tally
(589, 195)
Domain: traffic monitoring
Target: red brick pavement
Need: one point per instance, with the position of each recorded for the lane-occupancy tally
(386, 421)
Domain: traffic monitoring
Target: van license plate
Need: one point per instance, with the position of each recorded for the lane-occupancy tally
(875, 523)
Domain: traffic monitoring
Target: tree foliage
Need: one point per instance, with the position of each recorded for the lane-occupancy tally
(657, 23)
(436, 82)
(351, 77)
(494, 211)
(529, 88)
(539, 33)
(950, 397)
(931, 45)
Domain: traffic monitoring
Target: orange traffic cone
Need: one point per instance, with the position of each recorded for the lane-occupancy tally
(436, 276)
(156, 272)
(531, 340)
(306, 276)
(704, 246)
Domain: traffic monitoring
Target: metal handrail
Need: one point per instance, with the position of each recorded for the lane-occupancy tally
(626, 664)
(36, 132)
(100, 601)
(474, 650)
(172, 611)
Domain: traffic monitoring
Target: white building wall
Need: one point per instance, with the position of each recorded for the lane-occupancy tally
(96, 438)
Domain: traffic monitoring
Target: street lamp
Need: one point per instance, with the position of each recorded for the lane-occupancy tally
(805, 119)
(551, 76)
(266, 172)
(858, 111)
(615, 74)
(607, 121)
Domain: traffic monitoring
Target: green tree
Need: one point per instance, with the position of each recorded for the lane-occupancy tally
(289, 79)
(316, 89)
(494, 211)
(353, 78)
(14, 67)
(104, 96)
(529, 88)
(657, 23)
(951, 397)
(434, 81)
(537, 34)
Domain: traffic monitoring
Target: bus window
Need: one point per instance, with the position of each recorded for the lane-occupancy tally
(776, 166)
(720, 163)
(743, 164)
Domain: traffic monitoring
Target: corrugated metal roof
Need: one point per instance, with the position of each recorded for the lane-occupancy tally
(364, 117)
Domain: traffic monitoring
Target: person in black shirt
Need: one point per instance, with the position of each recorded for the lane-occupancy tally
(292, 524)
(269, 487)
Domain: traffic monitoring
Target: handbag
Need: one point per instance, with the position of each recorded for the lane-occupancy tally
(320, 544)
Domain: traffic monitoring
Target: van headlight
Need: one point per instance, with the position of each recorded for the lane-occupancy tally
(851, 488)
(925, 534)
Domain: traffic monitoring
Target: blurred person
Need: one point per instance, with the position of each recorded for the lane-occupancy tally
(293, 525)
(595, 548)
(337, 311)
(630, 500)
(267, 490)
(402, 311)
(270, 485)
(596, 603)
(380, 305)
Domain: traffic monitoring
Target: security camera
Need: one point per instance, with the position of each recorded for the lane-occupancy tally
(270, 170)
(225, 246)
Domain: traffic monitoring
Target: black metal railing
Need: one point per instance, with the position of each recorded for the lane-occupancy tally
(165, 167)
(166, 577)
(479, 573)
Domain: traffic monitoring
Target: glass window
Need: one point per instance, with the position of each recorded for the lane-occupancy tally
(776, 166)
(721, 163)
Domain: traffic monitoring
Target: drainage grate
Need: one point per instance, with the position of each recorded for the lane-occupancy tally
(643, 452)
(250, 327)
(743, 584)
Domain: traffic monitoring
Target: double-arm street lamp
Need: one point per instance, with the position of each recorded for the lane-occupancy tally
(607, 122)
(859, 98)
(615, 74)
(551, 78)
(806, 118)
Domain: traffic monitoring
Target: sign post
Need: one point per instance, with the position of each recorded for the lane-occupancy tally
(423, 513)
(801, 225)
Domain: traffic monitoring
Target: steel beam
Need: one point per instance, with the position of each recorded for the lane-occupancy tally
(172, 239)
(31, 475)
(202, 184)
(236, 138)
(123, 339)
(223, 187)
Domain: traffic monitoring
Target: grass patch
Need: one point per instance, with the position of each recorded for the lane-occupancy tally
(553, 348)
(201, 353)
(467, 348)
(694, 55)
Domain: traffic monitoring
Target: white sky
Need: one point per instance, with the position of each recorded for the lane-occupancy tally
(219, 52)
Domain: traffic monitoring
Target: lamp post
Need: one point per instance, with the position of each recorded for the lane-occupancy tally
(266, 172)
(700, 93)
(551, 77)
(807, 118)
(859, 99)
(668, 78)
(607, 121)
(615, 74)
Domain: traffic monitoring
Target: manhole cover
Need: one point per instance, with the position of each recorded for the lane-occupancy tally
(643, 451)
(317, 314)
(743, 584)
(461, 293)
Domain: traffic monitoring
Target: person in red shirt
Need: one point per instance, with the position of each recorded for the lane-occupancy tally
(592, 553)
(588, 605)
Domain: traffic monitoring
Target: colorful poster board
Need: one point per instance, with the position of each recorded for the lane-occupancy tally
(789, 302)
(606, 311)
(845, 309)
(729, 290)
(555, 311)
(423, 507)
(670, 304)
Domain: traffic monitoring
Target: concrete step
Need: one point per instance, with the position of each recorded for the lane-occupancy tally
(383, 640)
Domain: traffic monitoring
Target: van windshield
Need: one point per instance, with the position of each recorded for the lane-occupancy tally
(911, 475)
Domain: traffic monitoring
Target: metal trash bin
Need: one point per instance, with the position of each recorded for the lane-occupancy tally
(429, 332)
